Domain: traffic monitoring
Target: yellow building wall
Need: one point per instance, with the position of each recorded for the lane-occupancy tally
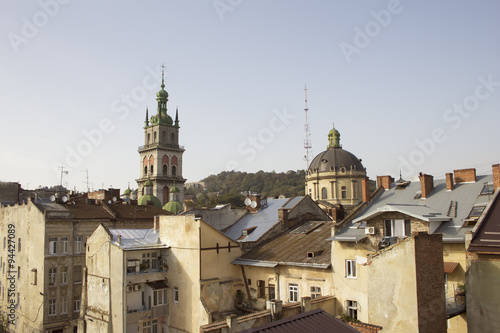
(455, 252)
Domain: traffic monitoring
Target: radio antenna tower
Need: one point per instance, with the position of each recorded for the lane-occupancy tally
(307, 132)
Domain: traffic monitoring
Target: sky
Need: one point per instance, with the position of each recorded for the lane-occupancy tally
(412, 86)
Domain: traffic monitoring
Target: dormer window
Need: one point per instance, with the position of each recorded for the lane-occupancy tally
(487, 189)
(397, 228)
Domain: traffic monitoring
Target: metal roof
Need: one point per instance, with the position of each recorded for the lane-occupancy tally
(449, 207)
(305, 245)
(263, 220)
(292, 202)
(136, 238)
(317, 321)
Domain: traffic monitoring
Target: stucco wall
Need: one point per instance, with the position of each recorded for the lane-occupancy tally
(483, 307)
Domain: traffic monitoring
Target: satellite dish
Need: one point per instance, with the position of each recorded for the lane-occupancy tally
(114, 199)
(248, 201)
(109, 202)
(253, 204)
(64, 199)
(52, 198)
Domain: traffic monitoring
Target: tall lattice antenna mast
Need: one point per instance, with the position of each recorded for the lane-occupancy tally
(307, 132)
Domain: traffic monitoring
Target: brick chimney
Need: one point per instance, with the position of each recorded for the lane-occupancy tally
(365, 189)
(337, 213)
(283, 217)
(385, 181)
(496, 176)
(449, 181)
(426, 184)
(465, 175)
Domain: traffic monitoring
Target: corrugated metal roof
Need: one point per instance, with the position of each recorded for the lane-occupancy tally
(292, 248)
(440, 201)
(263, 220)
(317, 321)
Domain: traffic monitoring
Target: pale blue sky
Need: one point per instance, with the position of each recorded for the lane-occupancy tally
(233, 67)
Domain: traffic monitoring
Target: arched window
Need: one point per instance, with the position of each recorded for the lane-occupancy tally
(145, 170)
(149, 138)
(324, 194)
(165, 168)
(154, 137)
(174, 170)
(152, 170)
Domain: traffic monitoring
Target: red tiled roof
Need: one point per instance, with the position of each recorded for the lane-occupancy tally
(317, 321)
(449, 267)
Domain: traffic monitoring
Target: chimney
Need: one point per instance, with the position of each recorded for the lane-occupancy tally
(449, 181)
(156, 224)
(305, 304)
(385, 181)
(337, 213)
(253, 203)
(119, 239)
(496, 176)
(365, 189)
(426, 184)
(465, 175)
(283, 217)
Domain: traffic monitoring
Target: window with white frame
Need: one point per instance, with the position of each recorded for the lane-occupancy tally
(293, 292)
(52, 307)
(352, 309)
(52, 276)
(64, 244)
(397, 228)
(76, 304)
(176, 294)
(150, 260)
(78, 244)
(315, 292)
(64, 305)
(158, 297)
(350, 269)
(150, 326)
(52, 245)
(64, 275)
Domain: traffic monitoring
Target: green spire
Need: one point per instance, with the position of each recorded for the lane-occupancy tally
(176, 117)
(334, 138)
(146, 122)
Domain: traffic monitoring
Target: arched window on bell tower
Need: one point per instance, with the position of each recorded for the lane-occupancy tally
(174, 170)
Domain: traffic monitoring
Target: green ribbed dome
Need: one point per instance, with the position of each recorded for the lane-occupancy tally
(163, 94)
(143, 201)
(127, 191)
(174, 189)
(148, 183)
(173, 207)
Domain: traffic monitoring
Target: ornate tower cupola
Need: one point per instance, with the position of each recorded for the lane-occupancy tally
(161, 154)
(334, 139)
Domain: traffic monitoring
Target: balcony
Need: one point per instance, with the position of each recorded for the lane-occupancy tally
(163, 145)
(455, 306)
(136, 315)
(143, 276)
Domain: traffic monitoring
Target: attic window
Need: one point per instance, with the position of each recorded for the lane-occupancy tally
(418, 195)
(476, 211)
(310, 254)
(248, 231)
(487, 189)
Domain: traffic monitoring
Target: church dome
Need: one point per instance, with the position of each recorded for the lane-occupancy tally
(173, 207)
(162, 93)
(334, 158)
(143, 201)
(148, 183)
(174, 189)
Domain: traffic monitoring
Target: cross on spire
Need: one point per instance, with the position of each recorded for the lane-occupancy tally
(162, 75)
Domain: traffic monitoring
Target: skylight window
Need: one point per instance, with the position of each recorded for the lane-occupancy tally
(476, 211)
(487, 189)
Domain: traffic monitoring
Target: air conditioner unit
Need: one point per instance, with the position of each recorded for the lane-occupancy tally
(129, 288)
(137, 287)
(369, 230)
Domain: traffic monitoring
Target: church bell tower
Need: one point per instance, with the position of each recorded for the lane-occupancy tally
(161, 154)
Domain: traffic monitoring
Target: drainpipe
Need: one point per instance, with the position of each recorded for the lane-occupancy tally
(278, 280)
